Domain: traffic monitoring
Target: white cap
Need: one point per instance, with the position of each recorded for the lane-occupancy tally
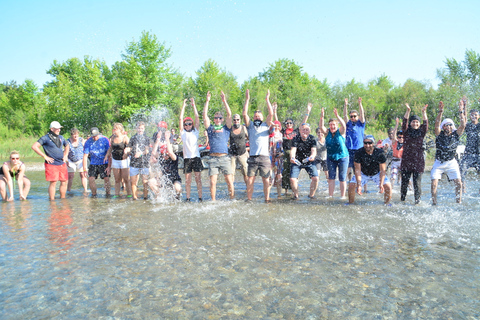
(55, 125)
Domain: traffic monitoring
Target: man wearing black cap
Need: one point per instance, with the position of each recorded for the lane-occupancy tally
(370, 165)
(96, 147)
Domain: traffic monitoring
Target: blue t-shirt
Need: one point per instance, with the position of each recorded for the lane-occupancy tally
(218, 139)
(97, 150)
(354, 133)
(52, 150)
(336, 148)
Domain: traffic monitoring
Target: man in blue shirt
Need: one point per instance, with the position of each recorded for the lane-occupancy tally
(96, 147)
(218, 136)
(55, 158)
(355, 132)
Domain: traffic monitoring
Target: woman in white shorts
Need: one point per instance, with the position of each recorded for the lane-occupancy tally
(120, 162)
(75, 159)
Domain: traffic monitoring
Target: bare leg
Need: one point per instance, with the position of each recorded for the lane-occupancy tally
(313, 187)
(331, 187)
(388, 192)
(279, 185)
(106, 180)
(294, 186)
(213, 186)
(63, 189)
(145, 186)
(250, 182)
(118, 181)
(458, 190)
(188, 183)
(434, 191)
(25, 188)
(134, 181)
(343, 188)
(71, 175)
(351, 192)
(51, 190)
(198, 180)
(93, 186)
(266, 188)
(84, 179)
(231, 190)
(126, 180)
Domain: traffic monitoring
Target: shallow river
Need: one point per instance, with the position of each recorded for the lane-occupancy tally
(310, 259)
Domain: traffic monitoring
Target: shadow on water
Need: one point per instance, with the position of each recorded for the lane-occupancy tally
(92, 258)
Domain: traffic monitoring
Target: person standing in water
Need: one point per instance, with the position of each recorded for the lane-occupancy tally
(413, 157)
(218, 136)
(120, 162)
(238, 147)
(190, 131)
(446, 142)
(354, 132)
(96, 148)
(75, 160)
(471, 157)
(258, 133)
(139, 150)
(56, 155)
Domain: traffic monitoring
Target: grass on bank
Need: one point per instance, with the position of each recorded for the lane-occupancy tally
(21, 144)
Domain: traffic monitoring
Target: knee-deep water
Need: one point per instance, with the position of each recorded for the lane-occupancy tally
(104, 258)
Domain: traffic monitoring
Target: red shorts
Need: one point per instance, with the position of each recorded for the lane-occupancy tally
(56, 173)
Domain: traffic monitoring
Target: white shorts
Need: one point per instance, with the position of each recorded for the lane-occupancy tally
(375, 179)
(451, 168)
(137, 171)
(395, 166)
(75, 166)
(121, 164)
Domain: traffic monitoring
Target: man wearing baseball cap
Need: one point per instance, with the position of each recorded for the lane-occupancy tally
(55, 153)
(370, 165)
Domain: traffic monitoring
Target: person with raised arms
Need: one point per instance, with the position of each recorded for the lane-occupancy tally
(218, 136)
(446, 142)
(189, 131)
(337, 152)
(238, 146)
(259, 160)
(355, 127)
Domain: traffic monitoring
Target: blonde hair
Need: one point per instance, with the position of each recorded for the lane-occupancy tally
(14, 152)
(118, 125)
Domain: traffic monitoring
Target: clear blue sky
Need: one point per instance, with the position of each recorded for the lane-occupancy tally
(336, 40)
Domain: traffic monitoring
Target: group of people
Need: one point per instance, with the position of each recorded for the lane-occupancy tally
(259, 146)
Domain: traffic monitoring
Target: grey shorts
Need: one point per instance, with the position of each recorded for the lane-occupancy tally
(217, 164)
(260, 164)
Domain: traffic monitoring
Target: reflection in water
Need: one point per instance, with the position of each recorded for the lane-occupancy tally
(305, 259)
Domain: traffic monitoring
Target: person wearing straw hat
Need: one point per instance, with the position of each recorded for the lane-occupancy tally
(447, 140)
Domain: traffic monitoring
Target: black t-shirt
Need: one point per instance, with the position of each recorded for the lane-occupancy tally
(370, 162)
(446, 146)
(304, 148)
(473, 136)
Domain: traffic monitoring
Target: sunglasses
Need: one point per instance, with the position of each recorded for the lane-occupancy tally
(15, 158)
(218, 118)
(353, 116)
(367, 142)
(289, 122)
(448, 125)
(188, 123)
(399, 137)
(236, 119)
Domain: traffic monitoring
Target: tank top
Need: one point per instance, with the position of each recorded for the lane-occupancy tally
(336, 148)
(238, 143)
(12, 174)
(75, 153)
(117, 149)
(397, 152)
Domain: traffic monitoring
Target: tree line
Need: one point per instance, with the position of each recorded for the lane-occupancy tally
(86, 93)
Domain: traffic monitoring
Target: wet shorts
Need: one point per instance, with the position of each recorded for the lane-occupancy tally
(98, 170)
(259, 164)
(450, 168)
(192, 164)
(75, 166)
(137, 171)
(309, 167)
(220, 163)
(375, 179)
(56, 173)
(120, 164)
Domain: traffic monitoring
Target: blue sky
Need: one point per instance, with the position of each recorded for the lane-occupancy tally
(336, 40)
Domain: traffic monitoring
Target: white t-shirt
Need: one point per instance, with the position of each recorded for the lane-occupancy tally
(190, 144)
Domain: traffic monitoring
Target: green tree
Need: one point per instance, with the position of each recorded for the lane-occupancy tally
(143, 80)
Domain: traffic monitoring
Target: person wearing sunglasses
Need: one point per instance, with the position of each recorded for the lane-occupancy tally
(13, 170)
(355, 130)
(258, 135)
(446, 142)
(190, 131)
(218, 136)
(238, 150)
(370, 165)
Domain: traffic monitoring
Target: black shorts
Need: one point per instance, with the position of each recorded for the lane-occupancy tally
(96, 170)
(192, 164)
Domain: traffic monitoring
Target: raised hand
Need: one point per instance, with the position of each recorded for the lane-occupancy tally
(408, 107)
(208, 96)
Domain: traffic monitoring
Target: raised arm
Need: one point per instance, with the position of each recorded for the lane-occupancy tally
(438, 120)
(246, 118)
(228, 119)
(424, 113)
(206, 119)
(275, 115)
(195, 112)
(270, 109)
(309, 108)
(342, 127)
(361, 116)
(345, 110)
(463, 121)
(170, 152)
(182, 113)
(321, 123)
(395, 130)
